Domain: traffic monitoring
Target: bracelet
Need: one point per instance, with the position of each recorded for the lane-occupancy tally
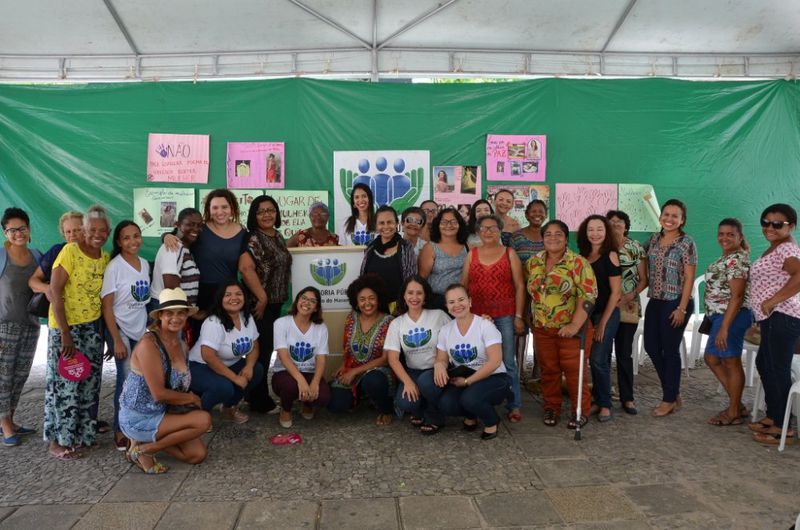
(519, 317)
(466, 381)
(681, 310)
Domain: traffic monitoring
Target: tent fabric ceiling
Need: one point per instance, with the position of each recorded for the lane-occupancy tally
(115, 40)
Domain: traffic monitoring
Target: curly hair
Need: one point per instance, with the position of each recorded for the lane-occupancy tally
(372, 282)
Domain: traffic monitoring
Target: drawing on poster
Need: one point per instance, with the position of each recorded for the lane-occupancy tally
(516, 157)
(156, 209)
(575, 202)
(523, 195)
(177, 158)
(253, 165)
(455, 185)
(640, 203)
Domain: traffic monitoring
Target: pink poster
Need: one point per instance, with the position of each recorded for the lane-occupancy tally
(256, 165)
(177, 158)
(456, 185)
(575, 202)
(519, 157)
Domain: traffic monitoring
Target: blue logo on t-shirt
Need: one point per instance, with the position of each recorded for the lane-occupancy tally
(362, 237)
(140, 290)
(464, 353)
(301, 352)
(417, 337)
(242, 346)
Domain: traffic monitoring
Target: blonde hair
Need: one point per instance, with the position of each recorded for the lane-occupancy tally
(66, 216)
(96, 211)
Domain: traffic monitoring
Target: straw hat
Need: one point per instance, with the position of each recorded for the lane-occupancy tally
(172, 299)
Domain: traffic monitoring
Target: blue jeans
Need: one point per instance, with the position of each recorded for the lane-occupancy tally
(663, 343)
(214, 388)
(779, 333)
(506, 327)
(373, 384)
(123, 367)
(403, 405)
(600, 361)
(478, 400)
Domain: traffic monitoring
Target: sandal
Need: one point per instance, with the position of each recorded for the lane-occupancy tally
(773, 438)
(156, 469)
(416, 421)
(514, 416)
(383, 420)
(550, 418)
(429, 429)
(723, 420)
(234, 414)
(573, 423)
(760, 425)
(103, 427)
(64, 454)
(469, 427)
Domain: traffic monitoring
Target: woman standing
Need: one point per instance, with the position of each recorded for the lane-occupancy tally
(528, 241)
(727, 306)
(775, 299)
(597, 244)
(430, 208)
(125, 295)
(671, 266)
(75, 327)
(442, 260)
(318, 235)
(19, 331)
(496, 286)
(634, 281)
(177, 268)
(503, 204)
(389, 256)
(359, 228)
(413, 219)
(480, 208)
(562, 285)
(71, 227)
(364, 371)
(478, 381)
(301, 339)
(224, 361)
(267, 271)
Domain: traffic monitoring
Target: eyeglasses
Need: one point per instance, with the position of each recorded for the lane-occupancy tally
(22, 230)
(309, 301)
(448, 222)
(413, 220)
(777, 225)
(265, 211)
(493, 228)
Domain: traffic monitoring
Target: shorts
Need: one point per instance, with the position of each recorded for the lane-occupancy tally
(138, 426)
(740, 324)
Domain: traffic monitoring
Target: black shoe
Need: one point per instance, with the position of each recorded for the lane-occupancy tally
(488, 435)
(629, 410)
(469, 427)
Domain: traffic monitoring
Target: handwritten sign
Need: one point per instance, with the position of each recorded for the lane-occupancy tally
(456, 185)
(523, 195)
(256, 165)
(177, 158)
(640, 203)
(575, 202)
(294, 208)
(516, 157)
(156, 210)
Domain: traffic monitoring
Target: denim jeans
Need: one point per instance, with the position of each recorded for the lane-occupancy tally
(600, 361)
(477, 400)
(214, 388)
(506, 327)
(779, 333)
(123, 367)
(373, 384)
(663, 343)
(403, 405)
(623, 347)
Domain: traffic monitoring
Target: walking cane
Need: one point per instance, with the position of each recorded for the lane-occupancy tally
(582, 337)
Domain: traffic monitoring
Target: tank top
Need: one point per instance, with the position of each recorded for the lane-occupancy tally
(136, 394)
(446, 268)
(603, 269)
(491, 287)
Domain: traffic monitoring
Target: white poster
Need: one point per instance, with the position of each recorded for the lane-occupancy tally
(329, 269)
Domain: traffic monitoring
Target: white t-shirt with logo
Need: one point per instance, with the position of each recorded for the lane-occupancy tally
(231, 346)
(417, 340)
(131, 289)
(470, 349)
(359, 236)
(303, 347)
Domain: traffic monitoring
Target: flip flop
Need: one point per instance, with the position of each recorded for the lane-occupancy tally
(65, 455)
(760, 426)
(429, 429)
(417, 421)
(723, 420)
(773, 438)
(514, 416)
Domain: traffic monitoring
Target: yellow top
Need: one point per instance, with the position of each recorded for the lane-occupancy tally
(82, 290)
(554, 294)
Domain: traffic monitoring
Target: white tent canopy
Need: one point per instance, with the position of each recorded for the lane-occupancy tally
(117, 40)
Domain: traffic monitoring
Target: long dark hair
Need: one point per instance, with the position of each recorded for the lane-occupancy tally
(252, 214)
(436, 232)
(472, 221)
(585, 246)
(737, 224)
(218, 311)
(350, 226)
(402, 307)
(116, 249)
(316, 316)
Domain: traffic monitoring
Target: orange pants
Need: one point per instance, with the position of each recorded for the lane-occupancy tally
(556, 355)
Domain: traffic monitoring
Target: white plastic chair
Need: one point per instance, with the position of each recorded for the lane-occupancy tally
(749, 352)
(758, 401)
(793, 399)
(695, 320)
(638, 341)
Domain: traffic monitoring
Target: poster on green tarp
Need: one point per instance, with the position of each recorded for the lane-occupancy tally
(155, 210)
(294, 206)
(640, 203)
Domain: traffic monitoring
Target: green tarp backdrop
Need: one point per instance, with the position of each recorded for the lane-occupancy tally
(725, 148)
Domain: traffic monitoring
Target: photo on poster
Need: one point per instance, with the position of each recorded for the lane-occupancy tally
(179, 158)
(516, 157)
(169, 214)
(456, 185)
(156, 209)
(252, 165)
(523, 195)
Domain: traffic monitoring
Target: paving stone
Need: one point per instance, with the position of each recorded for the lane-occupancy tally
(135, 486)
(615, 525)
(120, 515)
(37, 517)
(591, 504)
(438, 512)
(5, 512)
(377, 514)
(517, 509)
(702, 521)
(559, 473)
(284, 514)
(659, 499)
(200, 516)
(536, 446)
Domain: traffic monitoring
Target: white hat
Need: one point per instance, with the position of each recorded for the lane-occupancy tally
(172, 299)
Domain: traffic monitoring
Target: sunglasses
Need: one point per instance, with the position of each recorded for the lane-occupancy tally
(413, 220)
(776, 225)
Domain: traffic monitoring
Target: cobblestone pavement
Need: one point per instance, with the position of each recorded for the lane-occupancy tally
(633, 472)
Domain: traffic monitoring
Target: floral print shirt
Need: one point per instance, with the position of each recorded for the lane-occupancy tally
(555, 293)
(273, 264)
(719, 274)
(665, 266)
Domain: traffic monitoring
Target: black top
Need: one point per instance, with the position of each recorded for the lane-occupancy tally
(390, 269)
(603, 269)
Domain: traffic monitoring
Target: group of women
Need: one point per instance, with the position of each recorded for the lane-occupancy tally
(437, 314)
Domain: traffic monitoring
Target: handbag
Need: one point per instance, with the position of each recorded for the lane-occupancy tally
(39, 305)
(460, 371)
(705, 325)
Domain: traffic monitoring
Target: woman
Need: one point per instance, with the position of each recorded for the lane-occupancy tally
(301, 339)
(318, 234)
(494, 277)
(477, 381)
(74, 326)
(178, 268)
(267, 271)
(389, 256)
(431, 208)
(364, 370)
(528, 241)
(727, 306)
(774, 288)
(19, 331)
(71, 227)
(125, 295)
(157, 410)
(413, 219)
(503, 204)
(634, 281)
(480, 208)
(562, 285)
(224, 361)
(671, 266)
(359, 228)
(442, 260)
(597, 243)
(441, 182)
(415, 333)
